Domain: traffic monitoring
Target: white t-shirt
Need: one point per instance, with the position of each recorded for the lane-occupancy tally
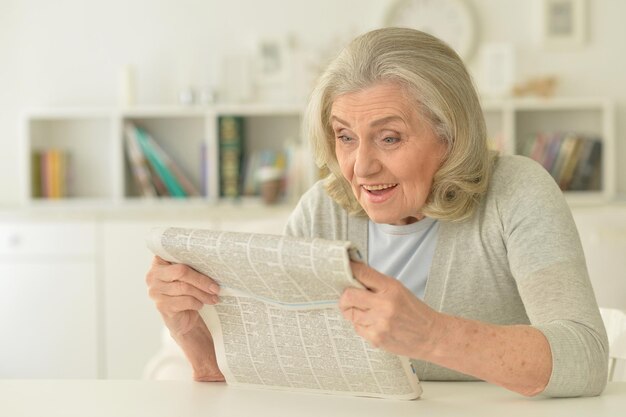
(404, 252)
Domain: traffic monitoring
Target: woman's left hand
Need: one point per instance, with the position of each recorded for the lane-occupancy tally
(388, 315)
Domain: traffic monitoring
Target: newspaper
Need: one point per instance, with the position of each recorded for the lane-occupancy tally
(277, 324)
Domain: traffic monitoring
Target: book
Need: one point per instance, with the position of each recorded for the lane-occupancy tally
(174, 188)
(158, 183)
(588, 172)
(538, 149)
(551, 154)
(249, 183)
(277, 324)
(258, 161)
(230, 155)
(138, 163)
(50, 174)
(569, 166)
(176, 171)
(565, 150)
(35, 174)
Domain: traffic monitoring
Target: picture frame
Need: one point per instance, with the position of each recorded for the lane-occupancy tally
(563, 23)
(273, 69)
(497, 64)
(273, 60)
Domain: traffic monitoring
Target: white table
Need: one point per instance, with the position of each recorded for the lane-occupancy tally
(119, 398)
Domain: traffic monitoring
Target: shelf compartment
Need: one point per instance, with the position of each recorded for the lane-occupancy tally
(181, 136)
(86, 140)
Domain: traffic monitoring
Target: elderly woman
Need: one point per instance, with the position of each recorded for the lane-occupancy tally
(474, 265)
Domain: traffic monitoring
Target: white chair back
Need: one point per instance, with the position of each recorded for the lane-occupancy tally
(615, 324)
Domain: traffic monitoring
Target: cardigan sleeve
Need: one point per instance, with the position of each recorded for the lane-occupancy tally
(547, 260)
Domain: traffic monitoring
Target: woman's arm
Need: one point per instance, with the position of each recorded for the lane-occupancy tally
(516, 357)
(179, 292)
(197, 344)
(546, 259)
(390, 317)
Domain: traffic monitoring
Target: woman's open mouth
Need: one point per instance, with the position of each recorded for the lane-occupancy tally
(378, 189)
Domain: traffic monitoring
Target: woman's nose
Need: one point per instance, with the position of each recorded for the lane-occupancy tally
(367, 162)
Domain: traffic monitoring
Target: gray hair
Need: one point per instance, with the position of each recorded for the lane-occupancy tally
(434, 75)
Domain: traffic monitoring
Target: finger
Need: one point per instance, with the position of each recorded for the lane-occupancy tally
(178, 288)
(357, 317)
(371, 335)
(184, 273)
(174, 305)
(157, 260)
(368, 276)
(355, 298)
(367, 332)
(169, 272)
(155, 273)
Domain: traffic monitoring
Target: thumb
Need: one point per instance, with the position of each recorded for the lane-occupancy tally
(368, 276)
(157, 260)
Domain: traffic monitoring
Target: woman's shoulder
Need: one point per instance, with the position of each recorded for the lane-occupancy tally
(316, 214)
(517, 172)
(316, 196)
(507, 165)
(521, 184)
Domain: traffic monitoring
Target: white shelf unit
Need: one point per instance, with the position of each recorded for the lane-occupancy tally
(95, 140)
(518, 120)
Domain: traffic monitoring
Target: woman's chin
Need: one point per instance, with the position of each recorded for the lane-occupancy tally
(386, 218)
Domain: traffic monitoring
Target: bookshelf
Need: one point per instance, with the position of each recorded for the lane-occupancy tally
(102, 176)
(512, 123)
(100, 171)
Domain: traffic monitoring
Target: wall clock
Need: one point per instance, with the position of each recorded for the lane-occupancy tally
(450, 20)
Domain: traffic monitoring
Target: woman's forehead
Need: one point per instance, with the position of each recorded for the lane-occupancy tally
(381, 102)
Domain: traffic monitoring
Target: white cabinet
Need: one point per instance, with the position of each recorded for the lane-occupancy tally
(73, 297)
(48, 300)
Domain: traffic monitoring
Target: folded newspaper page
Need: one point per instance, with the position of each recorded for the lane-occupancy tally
(277, 324)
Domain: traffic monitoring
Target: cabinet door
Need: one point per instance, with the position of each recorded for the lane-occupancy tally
(48, 320)
(133, 326)
(132, 323)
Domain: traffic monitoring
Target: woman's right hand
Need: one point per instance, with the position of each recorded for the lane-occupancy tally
(179, 292)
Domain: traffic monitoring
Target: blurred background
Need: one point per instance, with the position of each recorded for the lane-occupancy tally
(75, 74)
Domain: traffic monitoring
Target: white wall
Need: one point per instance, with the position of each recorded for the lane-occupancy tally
(68, 52)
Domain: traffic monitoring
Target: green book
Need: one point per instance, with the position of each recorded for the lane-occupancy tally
(231, 153)
(35, 174)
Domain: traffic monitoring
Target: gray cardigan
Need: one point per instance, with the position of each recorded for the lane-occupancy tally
(517, 260)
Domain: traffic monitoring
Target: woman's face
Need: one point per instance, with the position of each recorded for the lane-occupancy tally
(387, 151)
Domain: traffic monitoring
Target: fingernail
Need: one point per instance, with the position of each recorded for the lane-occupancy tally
(214, 288)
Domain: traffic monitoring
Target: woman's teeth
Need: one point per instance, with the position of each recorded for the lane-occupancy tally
(378, 187)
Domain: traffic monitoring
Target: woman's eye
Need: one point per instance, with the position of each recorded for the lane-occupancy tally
(344, 138)
(390, 140)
